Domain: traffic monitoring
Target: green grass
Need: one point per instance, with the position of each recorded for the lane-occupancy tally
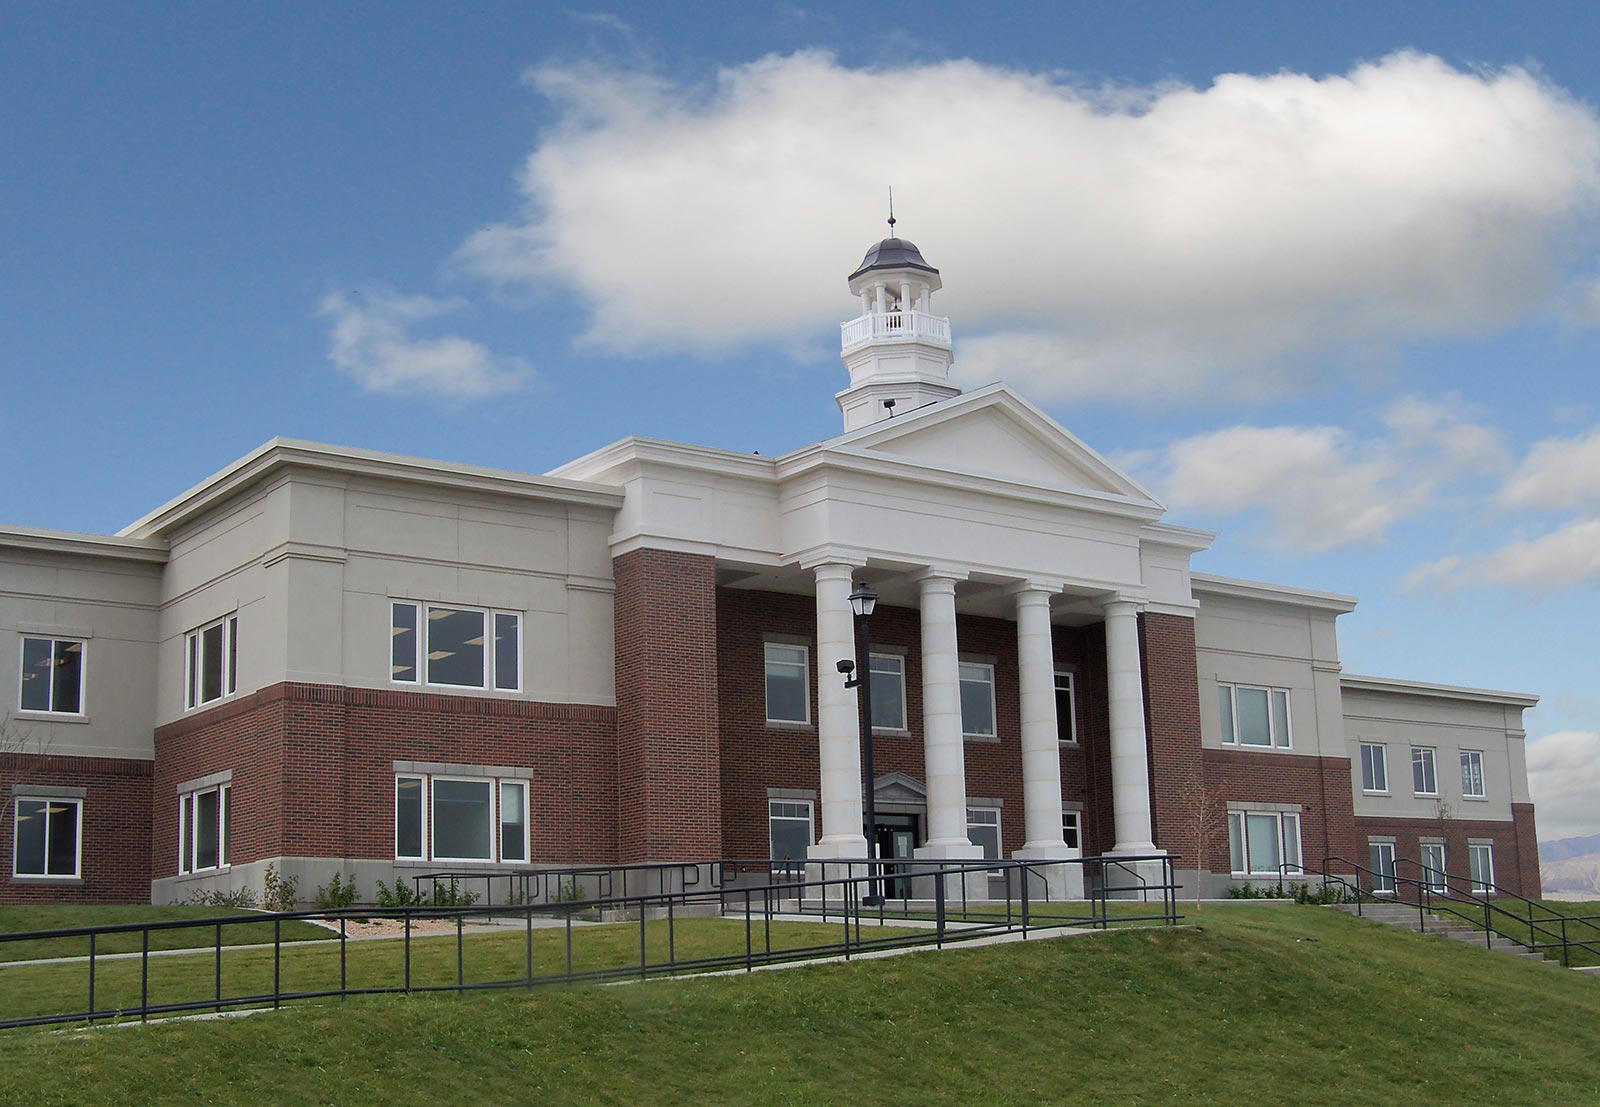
(1547, 916)
(14, 920)
(1298, 1005)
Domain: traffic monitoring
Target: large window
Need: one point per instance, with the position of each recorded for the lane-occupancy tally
(1264, 843)
(1374, 767)
(211, 662)
(1481, 857)
(1472, 774)
(49, 833)
(1254, 716)
(1424, 771)
(888, 692)
(1381, 862)
(450, 818)
(205, 818)
(789, 830)
(455, 647)
(1066, 708)
(977, 700)
(788, 687)
(52, 675)
(983, 829)
(1433, 870)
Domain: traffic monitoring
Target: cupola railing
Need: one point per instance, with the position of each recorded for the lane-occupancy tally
(895, 324)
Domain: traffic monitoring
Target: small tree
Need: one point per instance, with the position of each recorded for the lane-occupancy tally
(1202, 803)
(17, 737)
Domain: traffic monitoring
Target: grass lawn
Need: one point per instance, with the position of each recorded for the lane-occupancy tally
(14, 920)
(1299, 1005)
(1549, 921)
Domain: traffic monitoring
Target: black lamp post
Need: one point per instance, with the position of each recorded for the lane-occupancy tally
(862, 601)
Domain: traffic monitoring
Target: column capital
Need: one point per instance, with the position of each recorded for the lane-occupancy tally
(831, 557)
(1036, 586)
(934, 573)
(1123, 603)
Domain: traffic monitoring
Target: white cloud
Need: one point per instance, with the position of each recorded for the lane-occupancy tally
(1558, 473)
(371, 342)
(1321, 488)
(1564, 557)
(1166, 240)
(1564, 779)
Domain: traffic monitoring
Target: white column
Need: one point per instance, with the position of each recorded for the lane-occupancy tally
(1130, 762)
(905, 301)
(1041, 740)
(879, 296)
(838, 726)
(944, 748)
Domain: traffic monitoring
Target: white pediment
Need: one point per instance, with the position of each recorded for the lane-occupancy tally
(995, 433)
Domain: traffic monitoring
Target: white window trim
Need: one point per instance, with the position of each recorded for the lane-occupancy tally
(494, 640)
(810, 821)
(999, 833)
(805, 682)
(83, 676)
(16, 837)
(189, 828)
(1232, 739)
(993, 734)
(499, 823)
(1428, 871)
(424, 831)
(1488, 848)
(1244, 840)
(1077, 824)
(1433, 759)
(905, 709)
(490, 817)
(193, 644)
(1072, 703)
(495, 781)
(1483, 776)
(421, 608)
(1383, 760)
(1386, 843)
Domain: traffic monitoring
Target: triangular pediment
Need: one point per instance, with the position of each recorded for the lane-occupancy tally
(994, 432)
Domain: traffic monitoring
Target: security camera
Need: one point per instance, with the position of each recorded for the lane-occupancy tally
(846, 666)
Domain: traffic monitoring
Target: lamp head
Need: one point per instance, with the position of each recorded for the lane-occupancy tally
(863, 600)
(846, 666)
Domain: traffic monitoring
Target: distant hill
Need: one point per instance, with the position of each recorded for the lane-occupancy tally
(1563, 848)
(1571, 865)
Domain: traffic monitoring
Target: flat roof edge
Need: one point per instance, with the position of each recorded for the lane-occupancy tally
(82, 544)
(1441, 691)
(1276, 593)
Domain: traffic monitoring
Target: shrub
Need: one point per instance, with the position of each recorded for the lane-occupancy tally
(400, 895)
(442, 895)
(279, 893)
(338, 893)
(238, 897)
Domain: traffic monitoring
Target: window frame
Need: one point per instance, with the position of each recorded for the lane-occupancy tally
(1474, 850)
(1435, 879)
(1243, 815)
(1378, 870)
(1230, 722)
(491, 819)
(1077, 827)
(423, 841)
(811, 828)
(999, 838)
(1072, 706)
(421, 609)
(1474, 757)
(194, 662)
(1382, 764)
(1432, 763)
(189, 829)
(805, 681)
(993, 734)
(495, 818)
(25, 796)
(905, 710)
(500, 786)
(83, 674)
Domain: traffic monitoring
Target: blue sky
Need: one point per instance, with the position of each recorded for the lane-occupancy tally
(1324, 277)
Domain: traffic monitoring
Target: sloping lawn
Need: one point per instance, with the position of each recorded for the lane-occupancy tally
(16, 920)
(1301, 1006)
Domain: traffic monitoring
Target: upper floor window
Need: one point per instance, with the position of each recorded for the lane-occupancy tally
(1254, 716)
(48, 836)
(788, 688)
(211, 662)
(888, 691)
(1424, 772)
(977, 700)
(455, 647)
(1374, 767)
(52, 675)
(1472, 774)
(1066, 713)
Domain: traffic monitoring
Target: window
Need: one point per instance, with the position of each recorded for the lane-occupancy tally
(1481, 857)
(788, 690)
(455, 647)
(977, 700)
(1472, 774)
(52, 676)
(1264, 843)
(789, 830)
(1071, 831)
(211, 662)
(1433, 872)
(205, 819)
(983, 829)
(1424, 777)
(1066, 713)
(49, 832)
(1374, 767)
(1254, 716)
(1382, 866)
(442, 818)
(888, 692)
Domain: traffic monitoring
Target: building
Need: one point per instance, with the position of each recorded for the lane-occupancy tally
(335, 660)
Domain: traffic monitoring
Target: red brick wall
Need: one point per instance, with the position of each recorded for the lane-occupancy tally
(1327, 826)
(756, 756)
(1172, 728)
(313, 768)
(1516, 850)
(115, 864)
(668, 773)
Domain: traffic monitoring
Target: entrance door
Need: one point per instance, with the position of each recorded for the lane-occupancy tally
(896, 839)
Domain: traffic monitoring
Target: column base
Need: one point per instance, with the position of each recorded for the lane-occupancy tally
(1122, 881)
(1053, 883)
(959, 888)
(850, 850)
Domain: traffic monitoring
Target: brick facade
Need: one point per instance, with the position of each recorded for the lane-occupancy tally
(313, 768)
(1172, 728)
(115, 862)
(668, 773)
(1320, 785)
(1515, 848)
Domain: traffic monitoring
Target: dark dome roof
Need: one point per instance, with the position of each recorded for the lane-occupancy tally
(893, 253)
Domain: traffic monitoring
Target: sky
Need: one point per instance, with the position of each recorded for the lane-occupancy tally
(1325, 277)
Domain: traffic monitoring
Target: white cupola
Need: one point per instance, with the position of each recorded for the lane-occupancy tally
(897, 351)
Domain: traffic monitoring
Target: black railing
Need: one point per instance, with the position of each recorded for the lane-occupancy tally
(560, 943)
(1482, 907)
